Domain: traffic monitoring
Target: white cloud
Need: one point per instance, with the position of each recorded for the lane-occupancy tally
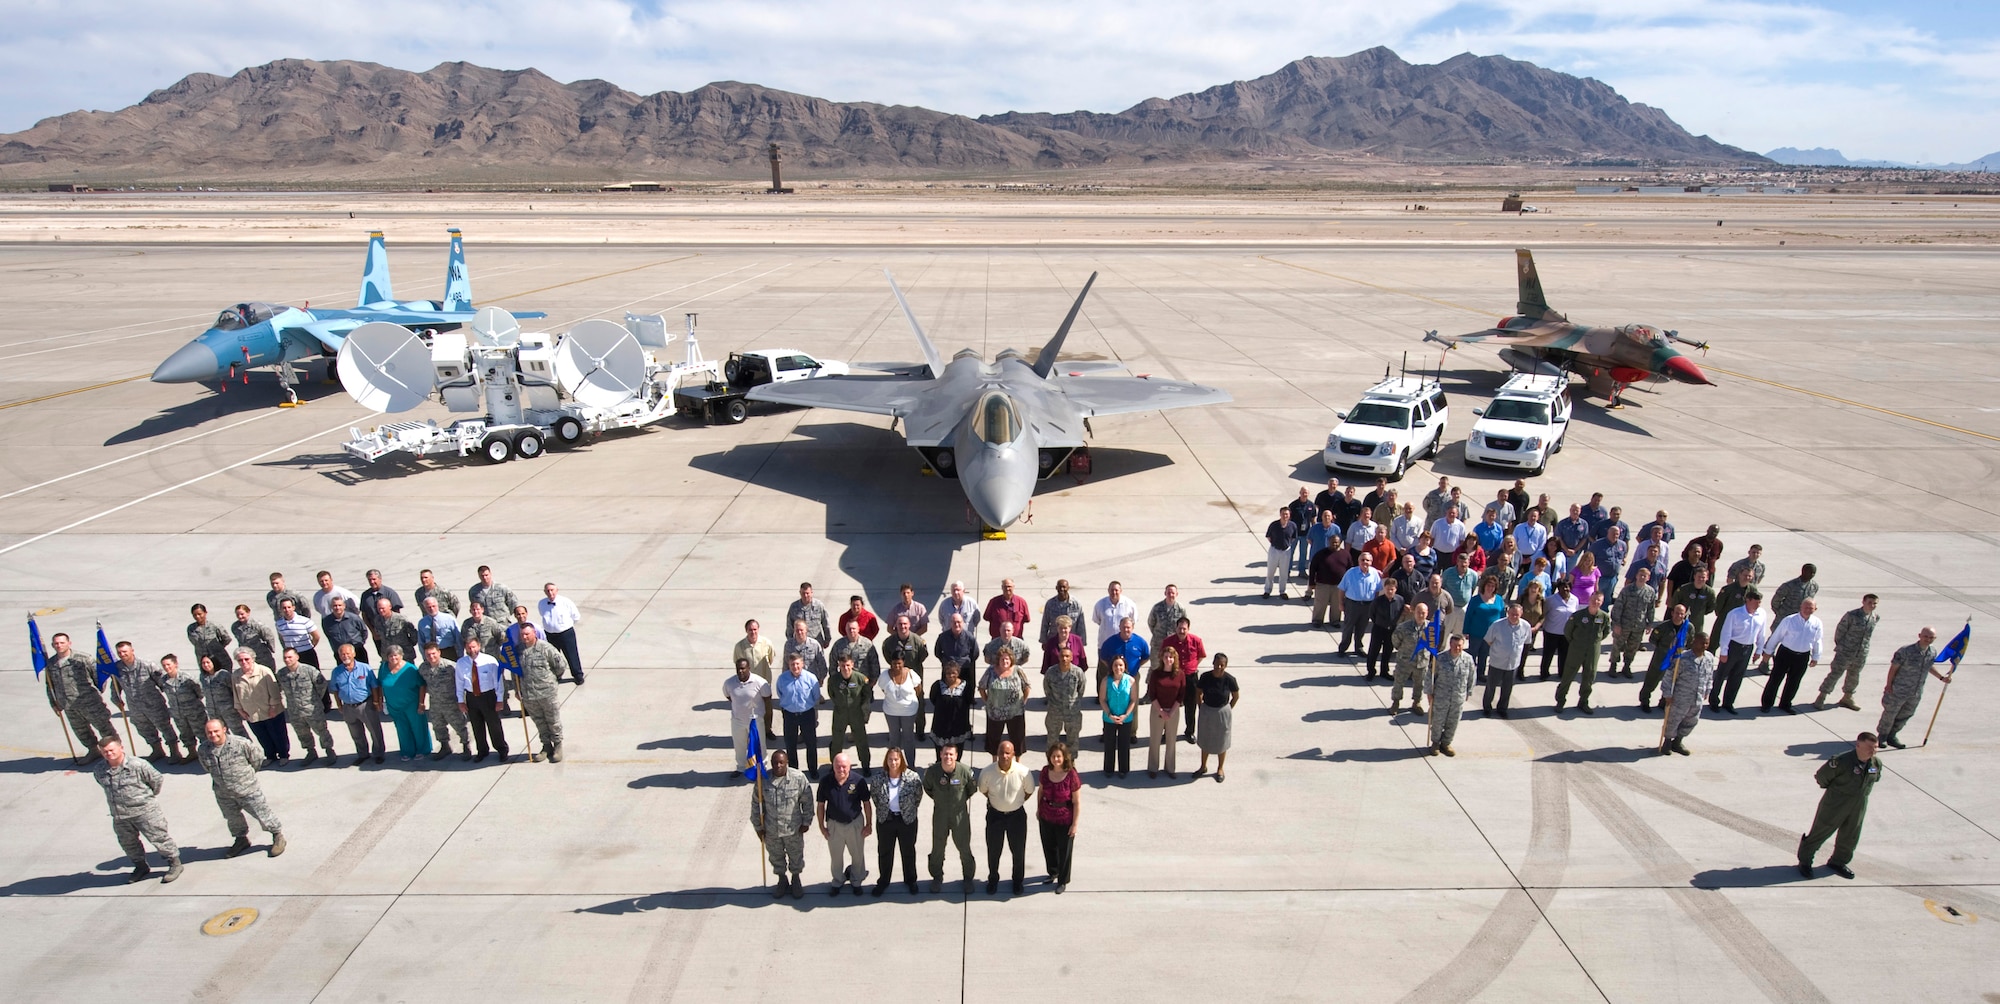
(1757, 73)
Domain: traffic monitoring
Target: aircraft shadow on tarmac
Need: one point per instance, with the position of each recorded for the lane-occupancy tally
(874, 494)
(240, 399)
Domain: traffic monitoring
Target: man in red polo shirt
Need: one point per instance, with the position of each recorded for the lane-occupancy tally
(1190, 651)
(1007, 607)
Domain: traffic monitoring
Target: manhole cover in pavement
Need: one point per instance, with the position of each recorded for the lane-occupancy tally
(229, 921)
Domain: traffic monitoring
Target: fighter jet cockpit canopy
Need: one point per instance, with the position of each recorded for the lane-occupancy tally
(244, 315)
(996, 420)
(1644, 334)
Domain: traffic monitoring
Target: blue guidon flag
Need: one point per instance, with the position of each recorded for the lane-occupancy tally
(107, 667)
(754, 762)
(38, 655)
(1953, 652)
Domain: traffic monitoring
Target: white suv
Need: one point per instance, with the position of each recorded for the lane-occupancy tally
(1398, 420)
(1524, 426)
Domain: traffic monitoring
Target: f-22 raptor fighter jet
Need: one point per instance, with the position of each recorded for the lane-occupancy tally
(1539, 340)
(249, 335)
(996, 427)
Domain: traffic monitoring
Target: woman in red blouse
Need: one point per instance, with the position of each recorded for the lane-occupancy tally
(1056, 809)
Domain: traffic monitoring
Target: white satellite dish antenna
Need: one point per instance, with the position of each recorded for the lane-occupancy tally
(495, 327)
(600, 364)
(385, 367)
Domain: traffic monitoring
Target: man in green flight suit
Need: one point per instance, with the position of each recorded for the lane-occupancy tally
(1847, 778)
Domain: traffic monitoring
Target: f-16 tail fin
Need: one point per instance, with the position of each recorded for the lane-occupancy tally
(1046, 361)
(375, 286)
(1532, 303)
(931, 357)
(457, 281)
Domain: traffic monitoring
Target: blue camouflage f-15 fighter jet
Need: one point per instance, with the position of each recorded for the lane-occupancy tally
(250, 335)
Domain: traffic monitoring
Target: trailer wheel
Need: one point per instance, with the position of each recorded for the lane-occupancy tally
(528, 445)
(497, 449)
(737, 410)
(568, 430)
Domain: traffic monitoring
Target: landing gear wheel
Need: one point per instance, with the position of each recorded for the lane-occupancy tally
(568, 431)
(497, 449)
(528, 445)
(736, 411)
(1402, 466)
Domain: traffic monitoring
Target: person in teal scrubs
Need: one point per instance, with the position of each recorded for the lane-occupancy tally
(403, 697)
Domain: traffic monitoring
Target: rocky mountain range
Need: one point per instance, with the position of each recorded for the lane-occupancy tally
(304, 120)
(1820, 156)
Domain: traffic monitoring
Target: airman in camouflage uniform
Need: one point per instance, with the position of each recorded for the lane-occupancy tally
(1450, 686)
(218, 695)
(209, 639)
(1785, 602)
(1682, 706)
(130, 785)
(483, 629)
(1005, 639)
(1664, 634)
(72, 683)
(146, 707)
(781, 812)
(541, 665)
(867, 661)
(260, 639)
(1905, 687)
(186, 703)
(305, 705)
(498, 600)
(1850, 652)
(1630, 617)
(278, 594)
(231, 763)
(441, 683)
(1063, 685)
(1413, 670)
(850, 695)
(447, 600)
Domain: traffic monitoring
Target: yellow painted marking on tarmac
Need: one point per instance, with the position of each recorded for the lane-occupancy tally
(79, 390)
(1714, 369)
(1951, 914)
(229, 921)
(1856, 404)
(46, 611)
(47, 753)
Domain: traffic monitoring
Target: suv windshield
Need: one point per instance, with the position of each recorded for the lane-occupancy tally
(1513, 409)
(1386, 416)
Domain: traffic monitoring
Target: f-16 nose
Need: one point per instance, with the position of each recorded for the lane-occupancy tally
(1683, 369)
(191, 363)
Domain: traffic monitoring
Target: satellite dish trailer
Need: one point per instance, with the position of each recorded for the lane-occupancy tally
(528, 389)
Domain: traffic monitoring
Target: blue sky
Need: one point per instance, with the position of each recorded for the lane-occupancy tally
(1912, 81)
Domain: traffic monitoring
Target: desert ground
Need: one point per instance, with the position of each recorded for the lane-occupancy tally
(1556, 858)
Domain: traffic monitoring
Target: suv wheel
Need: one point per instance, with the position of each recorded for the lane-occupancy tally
(1402, 465)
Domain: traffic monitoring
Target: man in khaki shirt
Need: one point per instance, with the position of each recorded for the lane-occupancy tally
(763, 662)
(1007, 784)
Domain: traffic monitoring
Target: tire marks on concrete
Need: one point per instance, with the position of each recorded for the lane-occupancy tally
(667, 957)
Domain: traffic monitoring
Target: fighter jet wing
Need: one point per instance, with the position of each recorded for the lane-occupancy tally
(872, 395)
(329, 333)
(1536, 334)
(1119, 395)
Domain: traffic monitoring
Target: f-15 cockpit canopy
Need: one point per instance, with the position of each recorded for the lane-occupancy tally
(244, 315)
(995, 420)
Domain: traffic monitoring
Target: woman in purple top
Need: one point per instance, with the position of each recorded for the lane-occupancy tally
(1583, 581)
(1056, 811)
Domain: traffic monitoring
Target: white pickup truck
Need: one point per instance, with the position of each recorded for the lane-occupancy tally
(726, 398)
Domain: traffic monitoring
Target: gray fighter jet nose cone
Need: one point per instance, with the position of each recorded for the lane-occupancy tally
(191, 363)
(999, 500)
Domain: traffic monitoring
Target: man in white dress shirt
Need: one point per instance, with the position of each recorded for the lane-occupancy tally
(1110, 609)
(559, 616)
(1793, 645)
(482, 696)
(1448, 533)
(1741, 635)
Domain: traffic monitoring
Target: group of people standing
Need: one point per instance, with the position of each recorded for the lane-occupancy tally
(1441, 603)
(435, 675)
(858, 662)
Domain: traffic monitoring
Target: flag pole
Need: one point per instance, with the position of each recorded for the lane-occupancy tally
(61, 722)
(124, 711)
(1942, 694)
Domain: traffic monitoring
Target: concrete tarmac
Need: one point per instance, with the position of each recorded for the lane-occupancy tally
(1555, 858)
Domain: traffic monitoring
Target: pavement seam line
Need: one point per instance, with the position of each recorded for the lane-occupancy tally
(141, 453)
(170, 488)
